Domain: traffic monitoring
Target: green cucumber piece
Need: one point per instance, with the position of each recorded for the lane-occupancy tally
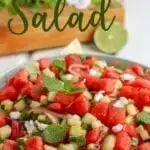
(144, 118)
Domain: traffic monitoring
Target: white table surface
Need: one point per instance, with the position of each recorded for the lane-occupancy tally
(137, 49)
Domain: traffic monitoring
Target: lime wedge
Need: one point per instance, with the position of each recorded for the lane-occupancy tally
(73, 48)
(113, 40)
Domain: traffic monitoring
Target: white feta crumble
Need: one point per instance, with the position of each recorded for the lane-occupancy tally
(92, 72)
(127, 77)
(117, 128)
(121, 103)
(29, 125)
(98, 96)
(14, 115)
(41, 126)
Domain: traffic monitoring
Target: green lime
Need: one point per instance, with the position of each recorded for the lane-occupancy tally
(113, 40)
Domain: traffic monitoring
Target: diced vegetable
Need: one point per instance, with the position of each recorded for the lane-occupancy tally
(96, 124)
(76, 130)
(34, 104)
(17, 129)
(48, 147)
(44, 100)
(130, 120)
(20, 105)
(91, 146)
(80, 106)
(88, 95)
(146, 109)
(131, 109)
(143, 133)
(73, 120)
(48, 72)
(9, 145)
(123, 141)
(41, 118)
(88, 118)
(51, 96)
(144, 117)
(38, 143)
(3, 119)
(92, 135)
(8, 105)
(67, 147)
(5, 132)
(109, 142)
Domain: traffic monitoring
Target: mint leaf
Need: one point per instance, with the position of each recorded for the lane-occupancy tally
(60, 64)
(20, 144)
(53, 84)
(24, 116)
(68, 85)
(55, 133)
(79, 140)
(144, 118)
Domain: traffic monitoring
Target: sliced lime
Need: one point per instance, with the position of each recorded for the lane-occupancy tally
(73, 48)
(113, 40)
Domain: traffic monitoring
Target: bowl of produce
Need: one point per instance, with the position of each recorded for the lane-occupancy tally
(76, 102)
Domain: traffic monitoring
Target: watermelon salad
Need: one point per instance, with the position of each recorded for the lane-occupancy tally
(76, 103)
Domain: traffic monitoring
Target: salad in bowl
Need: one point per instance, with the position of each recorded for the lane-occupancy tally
(76, 103)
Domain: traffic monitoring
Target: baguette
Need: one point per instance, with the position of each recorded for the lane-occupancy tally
(36, 38)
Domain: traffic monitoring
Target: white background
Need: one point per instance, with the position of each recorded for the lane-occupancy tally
(137, 49)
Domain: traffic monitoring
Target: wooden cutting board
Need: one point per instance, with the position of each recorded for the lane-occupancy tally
(36, 38)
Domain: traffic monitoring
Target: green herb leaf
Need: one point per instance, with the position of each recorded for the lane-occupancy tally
(59, 64)
(20, 144)
(79, 140)
(34, 116)
(68, 85)
(144, 117)
(54, 133)
(24, 116)
(53, 84)
(2, 109)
